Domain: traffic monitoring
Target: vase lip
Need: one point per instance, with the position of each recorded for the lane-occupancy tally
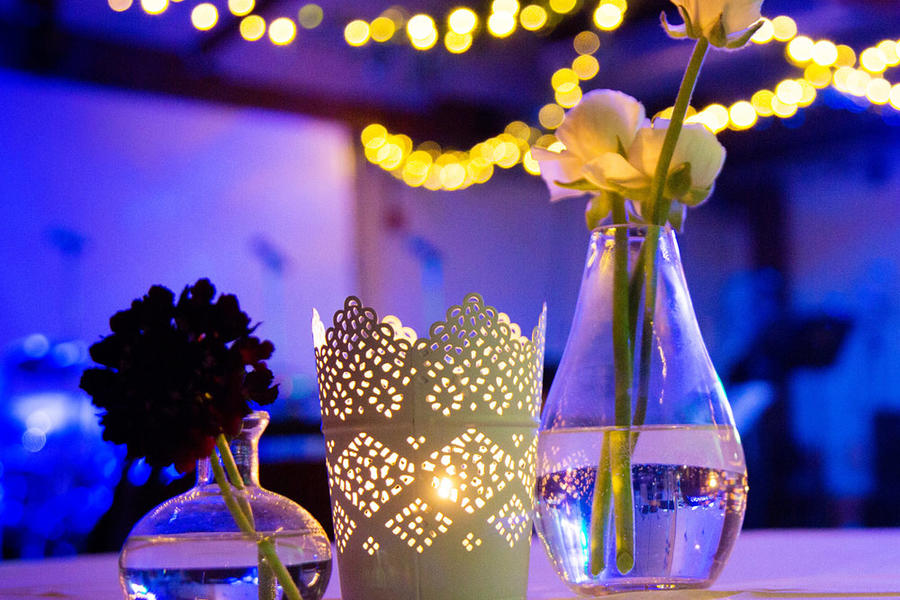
(634, 229)
(255, 420)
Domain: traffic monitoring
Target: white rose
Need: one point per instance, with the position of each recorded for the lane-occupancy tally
(603, 121)
(696, 163)
(725, 23)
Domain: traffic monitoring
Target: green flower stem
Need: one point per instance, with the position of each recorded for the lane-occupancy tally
(240, 518)
(623, 358)
(600, 509)
(682, 101)
(265, 546)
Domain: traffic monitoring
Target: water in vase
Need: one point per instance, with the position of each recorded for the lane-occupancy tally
(220, 566)
(689, 486)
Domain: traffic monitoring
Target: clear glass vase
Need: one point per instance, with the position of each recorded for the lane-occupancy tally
(190, 548)
(636, 400)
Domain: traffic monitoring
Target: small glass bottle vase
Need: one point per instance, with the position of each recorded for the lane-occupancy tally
(190, 548)
(641, 475)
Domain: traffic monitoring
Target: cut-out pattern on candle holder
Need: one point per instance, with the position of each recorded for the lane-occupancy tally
(430, 447)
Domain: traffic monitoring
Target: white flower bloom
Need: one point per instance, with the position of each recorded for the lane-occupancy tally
(696, 163)
(602, 122)
(725, 23)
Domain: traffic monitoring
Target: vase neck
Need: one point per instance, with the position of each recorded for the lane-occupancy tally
(245, 449)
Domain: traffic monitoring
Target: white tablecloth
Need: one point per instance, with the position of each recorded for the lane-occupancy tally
(793, 564)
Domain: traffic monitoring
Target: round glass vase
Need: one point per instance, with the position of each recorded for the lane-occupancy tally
(189, 547)
(641, 475)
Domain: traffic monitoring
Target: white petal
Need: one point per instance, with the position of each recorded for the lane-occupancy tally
(737, 15)
(644, 152)
(559, 166)
(599, 122)
(611, 171)
(698, 145)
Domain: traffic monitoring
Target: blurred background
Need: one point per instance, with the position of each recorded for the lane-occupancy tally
(298, 152)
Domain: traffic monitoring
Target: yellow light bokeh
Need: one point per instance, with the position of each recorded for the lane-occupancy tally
(252, 27)
(891, 51)
(507, 6)
(800, 49)
(764, 34)
(783, 28)
(608, 16)
(462, 21)
(824, 53)
(873, 60)
(858, 82)
(715, 117)
(425, 43)
(807, 93)
(421, 29)
(762, 102)
(782, 110)
(501, 24)
(841, 76)
(846, 56)
(562, 7)
(789, 91)
(533, 17)
(878, 91)
(240, 8)
(586, 42)
(382, 29)
(551, 116)
(817, 75)
(310, 16)
(742, 115)
(895, 96)
(452, 175)
(564, 80)
(530, 164)
(154, 7)
(586, 66)
(204, 16)
(569, 98)
(374, 135)
(282, 31)
(356, 33)
(120, 5)
(457, 43)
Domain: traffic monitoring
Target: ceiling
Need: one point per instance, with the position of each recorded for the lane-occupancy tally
(435, 94)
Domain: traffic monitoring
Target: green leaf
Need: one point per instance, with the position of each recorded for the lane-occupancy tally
(678, 183)
(579, 184)
(676, 32)
(717, 34)
(598, 209)
(692, 32)
(742, 40)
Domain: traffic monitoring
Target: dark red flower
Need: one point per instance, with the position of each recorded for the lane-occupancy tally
(175, 376)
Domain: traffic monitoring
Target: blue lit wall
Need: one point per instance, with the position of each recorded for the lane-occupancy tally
(103, 193)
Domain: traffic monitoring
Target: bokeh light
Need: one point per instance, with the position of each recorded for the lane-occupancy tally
(204, 16)
(765, 34)
(457, 43)
(824, 53)
(586, 66)
(800, 49)
(310, 16)
(608, 16)
(533, 17)
(240, 8)
(382, 29)
(356, 33)
(783, 28)
(252, 28)
(120, 5)
(873, 60)
(501, 24)
(742, 115)
(462, 21)
(586, 42)
(551, 116)
(282, 31)
(154, 7)
(562, 7)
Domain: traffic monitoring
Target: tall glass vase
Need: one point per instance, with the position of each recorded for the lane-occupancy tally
(641, 475)
(189, 547)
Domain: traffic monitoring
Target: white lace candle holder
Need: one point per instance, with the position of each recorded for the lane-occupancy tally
(430, 448)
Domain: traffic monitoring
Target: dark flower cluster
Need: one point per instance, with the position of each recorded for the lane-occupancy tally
(176, 375)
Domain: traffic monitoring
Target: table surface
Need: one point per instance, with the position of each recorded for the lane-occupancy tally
(840, 563)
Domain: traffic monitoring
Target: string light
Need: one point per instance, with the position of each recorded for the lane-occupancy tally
(824, 64)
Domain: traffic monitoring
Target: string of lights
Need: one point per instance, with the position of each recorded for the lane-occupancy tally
(824, 64)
